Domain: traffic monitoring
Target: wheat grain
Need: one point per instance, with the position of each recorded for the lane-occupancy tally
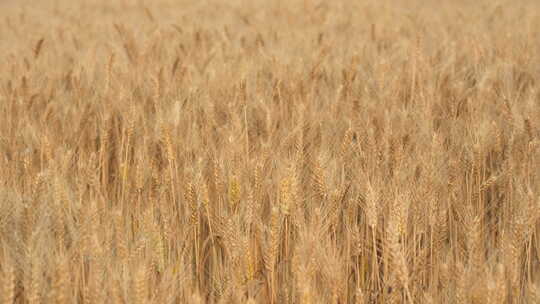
(276, 152)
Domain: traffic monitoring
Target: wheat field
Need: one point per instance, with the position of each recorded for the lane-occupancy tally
(269, 151)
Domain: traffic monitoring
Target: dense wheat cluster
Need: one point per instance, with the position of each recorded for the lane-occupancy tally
(269, 151)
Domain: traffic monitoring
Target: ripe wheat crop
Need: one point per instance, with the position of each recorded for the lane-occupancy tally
(287, 151)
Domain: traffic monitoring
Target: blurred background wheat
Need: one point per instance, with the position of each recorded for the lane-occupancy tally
(269, 151)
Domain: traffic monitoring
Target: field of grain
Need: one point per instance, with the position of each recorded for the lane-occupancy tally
(269, 151)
